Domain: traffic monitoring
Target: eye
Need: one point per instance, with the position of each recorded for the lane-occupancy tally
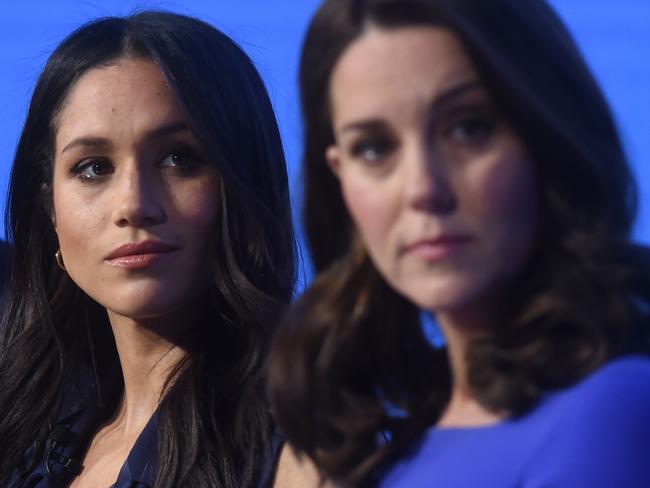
(185, 158)
(372, 149)
(92, 170)
(472, 129)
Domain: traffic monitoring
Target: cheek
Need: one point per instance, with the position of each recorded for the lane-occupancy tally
(510, 191)
(77, 222)
(197, 203)
(505, 199)
(371, 209)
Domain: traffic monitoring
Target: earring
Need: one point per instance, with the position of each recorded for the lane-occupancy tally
(59, 259)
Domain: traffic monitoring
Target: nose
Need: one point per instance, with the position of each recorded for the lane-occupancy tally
(137, 199)
(428, 187)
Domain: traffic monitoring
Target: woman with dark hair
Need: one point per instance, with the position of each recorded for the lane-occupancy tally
(460, 159)
(149, 213)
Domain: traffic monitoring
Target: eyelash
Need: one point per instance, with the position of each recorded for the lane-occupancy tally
(468, 127)
(472, 129)
(186, 153)
(380, 145)
(185, 161)
(80, 169)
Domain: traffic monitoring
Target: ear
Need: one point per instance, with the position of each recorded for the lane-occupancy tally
(333, 158)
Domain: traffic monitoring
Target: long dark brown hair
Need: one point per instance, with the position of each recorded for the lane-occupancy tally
(214, 427)
(353, 380)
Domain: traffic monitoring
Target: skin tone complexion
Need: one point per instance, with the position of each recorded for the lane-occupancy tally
(134, 207)
(440, 188)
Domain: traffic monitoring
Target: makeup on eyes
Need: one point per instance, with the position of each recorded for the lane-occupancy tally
(183, 158)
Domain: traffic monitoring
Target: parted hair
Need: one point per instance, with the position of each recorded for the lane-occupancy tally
(214, 425)
(353, 381)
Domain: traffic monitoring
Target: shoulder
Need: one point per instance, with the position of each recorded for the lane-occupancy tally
(622, 384)
(610, 405)
(597, 433)
(627, 368)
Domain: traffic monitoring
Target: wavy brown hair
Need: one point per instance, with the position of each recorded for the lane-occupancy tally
(214, 427)
(353, 381)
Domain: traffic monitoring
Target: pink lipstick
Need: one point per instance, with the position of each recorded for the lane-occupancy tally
(436, 248)
(141, 254)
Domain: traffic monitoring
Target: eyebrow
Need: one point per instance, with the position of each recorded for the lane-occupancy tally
(445, 98)
(103, 142)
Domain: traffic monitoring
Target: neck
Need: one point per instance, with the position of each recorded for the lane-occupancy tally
(460, 330)
(148, 351)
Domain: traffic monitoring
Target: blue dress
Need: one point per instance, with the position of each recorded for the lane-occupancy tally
(595, 434)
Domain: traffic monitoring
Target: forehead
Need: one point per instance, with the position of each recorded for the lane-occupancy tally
(388, 68)
(127, 94)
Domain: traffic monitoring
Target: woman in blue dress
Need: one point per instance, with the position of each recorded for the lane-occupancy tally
(149, 214)
(460, 159)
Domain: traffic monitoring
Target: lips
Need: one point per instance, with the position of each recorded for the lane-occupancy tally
(140, 254)
(432, 249)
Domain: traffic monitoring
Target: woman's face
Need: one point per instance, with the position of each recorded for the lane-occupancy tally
(441, 189)
(134, 203)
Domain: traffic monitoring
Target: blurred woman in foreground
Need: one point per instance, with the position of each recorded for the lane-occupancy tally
(461, 159)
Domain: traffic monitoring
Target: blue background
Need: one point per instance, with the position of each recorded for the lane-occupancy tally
(614, 36)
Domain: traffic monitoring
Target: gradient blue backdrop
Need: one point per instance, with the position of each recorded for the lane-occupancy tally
(614, 36)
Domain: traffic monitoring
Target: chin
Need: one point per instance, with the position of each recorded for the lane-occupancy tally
(443, 295)
(144, 306)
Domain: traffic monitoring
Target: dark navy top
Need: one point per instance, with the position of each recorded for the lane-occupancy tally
(81, 415)
(595, 434)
